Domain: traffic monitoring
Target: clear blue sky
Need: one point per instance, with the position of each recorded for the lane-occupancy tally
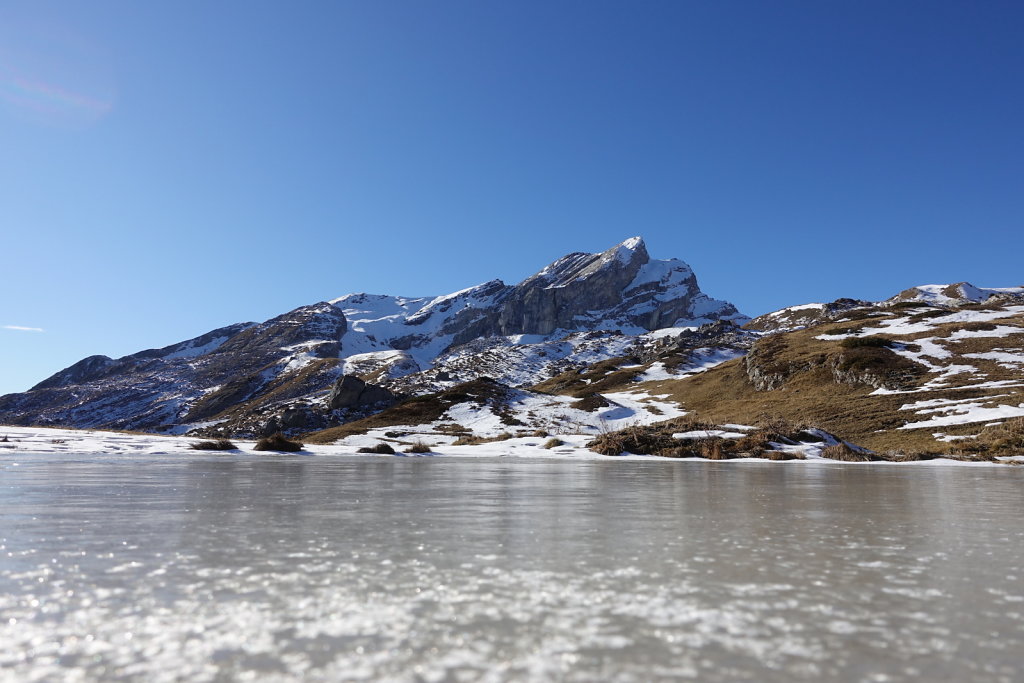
(171, 167)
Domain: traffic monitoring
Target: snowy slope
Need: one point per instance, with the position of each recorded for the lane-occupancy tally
(956, 294)
(580, 309)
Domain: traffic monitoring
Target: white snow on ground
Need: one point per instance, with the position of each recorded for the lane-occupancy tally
(994, 384)
(375, 319)
(26, 441)
(903, 326)
(921, 406)
(667, 332)
(632, 407)
(395, 363)
(709, 433)
(193, 351)
(999, 331)
(529, 359)
(557, 415)
(930, 351)
(700, 360)
(299, 361)
(1001, 356)
(801, 307)
(935, 294)
(965, 413)
(656, 372)
(939, 436)
(672, 274)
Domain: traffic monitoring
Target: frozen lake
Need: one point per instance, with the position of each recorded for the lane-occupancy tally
(230, 567)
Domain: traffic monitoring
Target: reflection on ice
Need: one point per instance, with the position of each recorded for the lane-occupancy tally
(214, 567)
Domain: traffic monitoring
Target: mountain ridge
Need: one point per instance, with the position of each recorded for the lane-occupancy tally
(299, 355)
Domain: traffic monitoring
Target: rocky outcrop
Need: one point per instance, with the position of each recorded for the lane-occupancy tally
(880, 368)
(314, 331)
(351, 392)
(570, 287)
(620, 287)
(766, 368)
(772, 361)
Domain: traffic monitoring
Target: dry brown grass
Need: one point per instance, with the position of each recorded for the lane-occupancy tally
(901, 456)
(277, 442)
(688, 423)
(451, 428)
(810, 393)
(1006, 438)
(471, 440)
(591, 403)
(553, 443)
(418, 410)
(782, 455)
(418, 447)
(713, 449)
(641, 440)
(216, 445)
(380, 449)
(600, 377)
(842, 451)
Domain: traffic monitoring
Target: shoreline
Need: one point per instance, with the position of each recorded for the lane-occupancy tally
(54, 440)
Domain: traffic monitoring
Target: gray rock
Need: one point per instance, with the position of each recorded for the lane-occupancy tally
(350, 391)
(295, 417)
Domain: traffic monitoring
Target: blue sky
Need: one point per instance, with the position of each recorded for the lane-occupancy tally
(168, 168)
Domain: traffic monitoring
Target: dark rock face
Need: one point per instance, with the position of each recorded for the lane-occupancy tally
(618, 287)
(194, 380)
(315, 329)
(93, 367)
(350, 392)
(571, 286)
(98, 367)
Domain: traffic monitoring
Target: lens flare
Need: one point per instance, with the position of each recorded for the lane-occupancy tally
(52, 76)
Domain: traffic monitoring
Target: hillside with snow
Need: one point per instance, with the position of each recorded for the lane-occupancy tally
(591, 345)
(287, 372)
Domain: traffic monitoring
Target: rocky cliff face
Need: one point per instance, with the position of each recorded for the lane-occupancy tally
(186, 382)
(622, 289)
(579, 309)
(619, 288)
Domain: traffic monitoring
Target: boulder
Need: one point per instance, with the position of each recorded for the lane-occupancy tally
(350, 391)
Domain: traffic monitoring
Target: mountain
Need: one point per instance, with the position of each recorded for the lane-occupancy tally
(327, 363)
(938, 369)
(908, 378)
(615, 345)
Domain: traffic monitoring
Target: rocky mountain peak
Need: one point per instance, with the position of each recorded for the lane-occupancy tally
(604, 301)
(625, 258)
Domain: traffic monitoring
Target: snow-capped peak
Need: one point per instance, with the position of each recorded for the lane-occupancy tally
(625, 250)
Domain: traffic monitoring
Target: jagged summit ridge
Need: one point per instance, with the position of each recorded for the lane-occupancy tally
(621, 288)
(579, 266)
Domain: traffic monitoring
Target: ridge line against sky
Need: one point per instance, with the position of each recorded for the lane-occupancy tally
(168, 170)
